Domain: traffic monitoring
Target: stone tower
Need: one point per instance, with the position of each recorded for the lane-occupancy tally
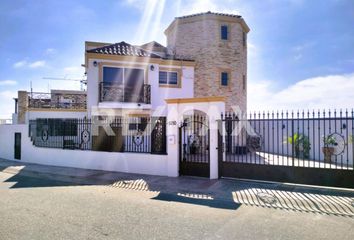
(218, 44)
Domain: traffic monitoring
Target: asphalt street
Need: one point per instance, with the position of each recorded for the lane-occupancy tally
(41, 208)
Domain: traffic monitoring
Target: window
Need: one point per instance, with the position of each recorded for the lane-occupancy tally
(123, 84)
(113, 75)
(244, 82)
(244, 38)
(170, 78)
(224, 79)
(224, 32)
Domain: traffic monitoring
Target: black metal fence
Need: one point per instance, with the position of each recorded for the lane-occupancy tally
(300, 139)
(131, 134)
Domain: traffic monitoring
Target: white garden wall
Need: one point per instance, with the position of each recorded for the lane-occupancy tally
(31, 115)
(109, 161)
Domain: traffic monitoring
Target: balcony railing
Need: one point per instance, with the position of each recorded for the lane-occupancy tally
(118, 93)
(56, 100)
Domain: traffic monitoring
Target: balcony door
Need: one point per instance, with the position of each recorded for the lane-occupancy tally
(123, 84)
(133, 85)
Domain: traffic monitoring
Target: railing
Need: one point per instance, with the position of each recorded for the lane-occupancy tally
(301, 139)
(133, 134)
(119, 93)
(56, 100)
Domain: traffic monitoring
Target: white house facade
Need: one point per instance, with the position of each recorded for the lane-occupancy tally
(159, 105)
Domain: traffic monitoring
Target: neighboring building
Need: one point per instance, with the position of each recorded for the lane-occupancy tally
(56, 104)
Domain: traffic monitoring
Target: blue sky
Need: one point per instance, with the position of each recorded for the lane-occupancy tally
(301, 53)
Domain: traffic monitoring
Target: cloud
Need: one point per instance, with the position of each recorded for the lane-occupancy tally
(251, 49)
(50, 51)
(297, 56)
(191, 7)
(37, 64)
(138, 4)
(323, 92)
(7, 82)
(73, 69)
(7, 104)
(24, 63)
(20, 64)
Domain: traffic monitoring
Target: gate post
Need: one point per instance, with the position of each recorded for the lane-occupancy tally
(215, 111)
(172, 141)
(220, 147)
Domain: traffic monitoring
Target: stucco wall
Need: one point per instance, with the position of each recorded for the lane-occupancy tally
(54, 114)
(109, 161)
(158, 94)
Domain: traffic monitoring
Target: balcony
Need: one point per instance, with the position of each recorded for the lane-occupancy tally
(57, 100)
(119, 93)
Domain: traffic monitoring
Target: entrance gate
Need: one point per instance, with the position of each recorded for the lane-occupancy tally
(194, 145)
(285, 148)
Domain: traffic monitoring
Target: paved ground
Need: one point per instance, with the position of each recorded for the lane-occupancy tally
(283, 160)
(37, 204)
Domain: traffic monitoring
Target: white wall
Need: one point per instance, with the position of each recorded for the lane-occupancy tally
(31, 115)
(109, 161)
(158, 94)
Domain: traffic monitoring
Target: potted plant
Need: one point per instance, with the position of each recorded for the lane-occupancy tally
(328, 149)
(302, 145)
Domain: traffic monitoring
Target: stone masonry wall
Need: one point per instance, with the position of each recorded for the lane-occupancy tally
(201, 41)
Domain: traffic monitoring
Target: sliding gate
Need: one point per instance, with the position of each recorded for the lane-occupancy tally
(305, 148)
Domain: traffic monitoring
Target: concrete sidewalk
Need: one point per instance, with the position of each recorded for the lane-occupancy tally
(332, 201)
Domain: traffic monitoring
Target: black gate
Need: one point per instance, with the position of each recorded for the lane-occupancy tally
(194, 147)
(17, 146)
(303, 147)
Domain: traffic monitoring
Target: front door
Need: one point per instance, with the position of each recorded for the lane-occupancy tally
(18, 146)
(194, 147)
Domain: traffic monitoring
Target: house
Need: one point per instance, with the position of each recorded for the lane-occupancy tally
(165, 100)
(205, 56)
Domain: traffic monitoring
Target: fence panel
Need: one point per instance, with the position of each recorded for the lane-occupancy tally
(130, 134)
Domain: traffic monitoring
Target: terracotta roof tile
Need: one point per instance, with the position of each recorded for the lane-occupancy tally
(123, 48)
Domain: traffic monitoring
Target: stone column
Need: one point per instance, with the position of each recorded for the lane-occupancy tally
(22, 107)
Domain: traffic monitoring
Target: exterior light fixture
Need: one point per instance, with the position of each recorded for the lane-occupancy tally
(152, 67)
(95, 63)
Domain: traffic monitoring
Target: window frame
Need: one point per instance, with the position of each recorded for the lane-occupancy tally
(222, 26)
(244, 82)
(229, 79)
(123, 66)
(168, 84)
(244, 38)
(222, 78)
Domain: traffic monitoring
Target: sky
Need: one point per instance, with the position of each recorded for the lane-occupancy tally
(300, 53)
